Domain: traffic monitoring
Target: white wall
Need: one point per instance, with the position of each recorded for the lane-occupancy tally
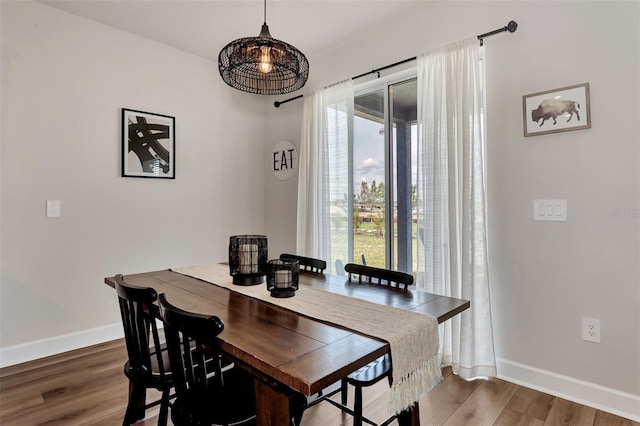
(281, 195)
(64, 82)
(545, 276)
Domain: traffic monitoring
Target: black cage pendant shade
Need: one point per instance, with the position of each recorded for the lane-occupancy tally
(262, 64)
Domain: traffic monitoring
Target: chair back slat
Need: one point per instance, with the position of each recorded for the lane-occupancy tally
(147, 365)
(307, 263)
(384, 277)
(139, 316)
(156, 338)
(191, 344)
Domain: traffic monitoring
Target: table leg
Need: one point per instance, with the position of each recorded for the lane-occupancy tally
(272, 406)
(410, 417)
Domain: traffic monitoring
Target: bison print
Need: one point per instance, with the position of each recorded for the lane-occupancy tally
(552, 108)
(558, 110)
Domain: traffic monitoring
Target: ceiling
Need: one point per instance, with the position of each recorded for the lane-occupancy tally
(204, 27)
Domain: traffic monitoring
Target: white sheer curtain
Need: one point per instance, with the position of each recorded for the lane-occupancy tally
(452, 253)
(323, 175)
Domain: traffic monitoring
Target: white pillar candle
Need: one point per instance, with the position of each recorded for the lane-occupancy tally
(248, 258)
(283, 278)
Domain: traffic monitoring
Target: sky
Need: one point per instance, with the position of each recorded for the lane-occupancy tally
(368, 152)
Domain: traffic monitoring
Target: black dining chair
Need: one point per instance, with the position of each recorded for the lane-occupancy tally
(379, 369)
(148, 365)
(207, 393)
(307, 263)
(370, 275)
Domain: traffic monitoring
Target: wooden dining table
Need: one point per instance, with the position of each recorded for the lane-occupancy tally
(286, 351)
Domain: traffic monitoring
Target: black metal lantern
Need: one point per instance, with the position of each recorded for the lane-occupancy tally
(248, 259)
(282, 277)
(263, 64)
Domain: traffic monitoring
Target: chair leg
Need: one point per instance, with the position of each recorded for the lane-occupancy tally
(136, 406)
(164, 408)
(297, 405)
(296, 419)
(344, 391)
(357, 407)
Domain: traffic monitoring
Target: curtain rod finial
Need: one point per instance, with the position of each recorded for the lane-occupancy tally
(512, 26)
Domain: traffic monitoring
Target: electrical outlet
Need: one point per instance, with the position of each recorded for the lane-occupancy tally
(591, 330)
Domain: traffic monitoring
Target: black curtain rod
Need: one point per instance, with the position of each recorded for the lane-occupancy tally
(511, 27)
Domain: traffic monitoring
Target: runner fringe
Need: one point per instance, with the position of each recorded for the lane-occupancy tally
(409, 389)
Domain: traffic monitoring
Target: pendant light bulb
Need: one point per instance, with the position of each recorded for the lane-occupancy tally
(265, 60)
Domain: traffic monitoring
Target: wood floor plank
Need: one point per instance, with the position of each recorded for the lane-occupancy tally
(94, 361)
(532, 403)
(608, 419)
(19, 399)
(565, 412)
(484, 405)
(445, 399)
(324, 414)
(77, 411)
(509, 417)
(83, 355)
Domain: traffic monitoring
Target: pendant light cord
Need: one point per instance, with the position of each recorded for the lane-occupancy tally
(265, 11)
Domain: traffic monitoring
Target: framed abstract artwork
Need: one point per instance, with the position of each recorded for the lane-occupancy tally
(557, 110)
(148, 145)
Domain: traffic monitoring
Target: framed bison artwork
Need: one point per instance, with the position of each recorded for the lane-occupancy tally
(557, 110)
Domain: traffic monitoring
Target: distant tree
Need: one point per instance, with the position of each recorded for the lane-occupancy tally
(380, 195)
(363, 196)
(373, 193)
(366, 195)
(372, 197)
(414, 195)
(378, 221)
(357, 218)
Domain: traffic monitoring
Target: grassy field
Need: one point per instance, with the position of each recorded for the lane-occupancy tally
(372, 246)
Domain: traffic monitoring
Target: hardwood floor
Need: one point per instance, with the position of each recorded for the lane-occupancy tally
(88, 387)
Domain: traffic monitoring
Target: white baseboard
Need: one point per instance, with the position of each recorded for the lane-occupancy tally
(54, 345)
(590, 394)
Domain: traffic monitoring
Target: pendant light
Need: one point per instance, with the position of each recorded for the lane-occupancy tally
(262, 64)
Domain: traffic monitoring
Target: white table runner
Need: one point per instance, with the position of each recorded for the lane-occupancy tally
(413, 337)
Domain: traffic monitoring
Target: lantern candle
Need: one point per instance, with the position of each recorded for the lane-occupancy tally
(283, 278)
(248, 258)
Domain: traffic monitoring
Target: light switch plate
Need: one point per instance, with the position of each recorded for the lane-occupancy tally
(53, 208)
(551, 210)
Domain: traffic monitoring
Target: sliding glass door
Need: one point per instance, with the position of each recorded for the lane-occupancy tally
(384, 174)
